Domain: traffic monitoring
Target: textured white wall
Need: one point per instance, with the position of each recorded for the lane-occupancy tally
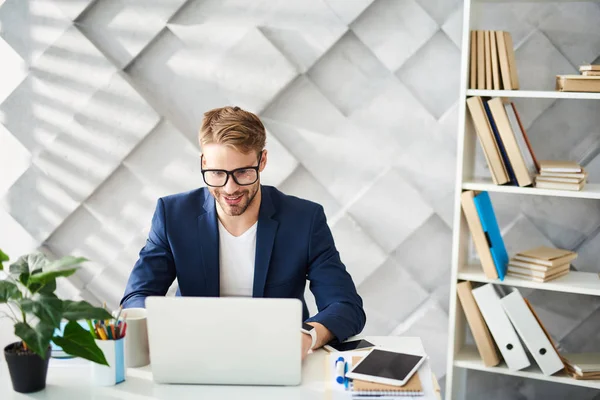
(100, 102)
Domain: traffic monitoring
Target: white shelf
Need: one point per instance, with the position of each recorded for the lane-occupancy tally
(590, 191)
(536, 94)
(574, 282)
(469, 358)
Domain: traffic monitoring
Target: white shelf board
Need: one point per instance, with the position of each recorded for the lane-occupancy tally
(574, 282)
(468, 357)
(590, 191)
(536, 94)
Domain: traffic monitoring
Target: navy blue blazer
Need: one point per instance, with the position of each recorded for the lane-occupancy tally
(293, 244)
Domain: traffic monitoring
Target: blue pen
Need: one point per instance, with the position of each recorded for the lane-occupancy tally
(340, 368)
(346, 380)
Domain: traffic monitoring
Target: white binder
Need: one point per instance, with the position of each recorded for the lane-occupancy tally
(500, 327)
(532, 333)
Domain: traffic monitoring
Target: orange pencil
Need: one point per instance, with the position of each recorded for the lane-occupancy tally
(124, 329)
(112, 329)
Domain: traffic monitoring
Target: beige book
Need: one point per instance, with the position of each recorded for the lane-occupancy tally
(473, 68)
(509, 139)
(578, 83)
(583, 362)
(488, 60)
(560, 185)
(495, 65)
(545, 255)
(481, 334)
(589, 67)
(487, 140)
(534, 266)
(577, 175)
(538, 274)
(536, 279)
(512, 64)
(546, 178)
(503, 61)
(559, 166)
(480, 60)
(590, 73)
(479, 238)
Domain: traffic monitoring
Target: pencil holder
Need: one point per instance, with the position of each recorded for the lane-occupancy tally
(114, 352)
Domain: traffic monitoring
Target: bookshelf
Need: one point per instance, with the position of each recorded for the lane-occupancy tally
(462, 357)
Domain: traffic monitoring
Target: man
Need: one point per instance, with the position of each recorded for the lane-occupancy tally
(239, 238)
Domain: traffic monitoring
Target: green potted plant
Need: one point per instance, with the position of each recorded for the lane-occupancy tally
(28, 292)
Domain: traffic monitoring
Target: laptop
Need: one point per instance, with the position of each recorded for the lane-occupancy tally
(225, 341)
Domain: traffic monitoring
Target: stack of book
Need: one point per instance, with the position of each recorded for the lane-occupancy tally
(541, 264)
(561, 175)
(505, 144)
(492, 61)
(588, 81)
(582, 365)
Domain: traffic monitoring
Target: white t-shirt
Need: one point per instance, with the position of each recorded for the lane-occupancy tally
(236, 262)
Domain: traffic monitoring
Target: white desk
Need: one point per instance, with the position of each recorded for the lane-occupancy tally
(69, 379)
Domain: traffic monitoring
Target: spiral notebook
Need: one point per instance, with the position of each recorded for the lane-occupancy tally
(363, 388)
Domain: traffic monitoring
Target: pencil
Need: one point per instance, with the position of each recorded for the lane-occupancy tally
(92, 331)
(124, 329)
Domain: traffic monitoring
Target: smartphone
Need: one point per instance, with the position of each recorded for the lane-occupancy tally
(349, 346)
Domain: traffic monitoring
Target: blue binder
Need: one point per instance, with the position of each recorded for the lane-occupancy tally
(483, 204)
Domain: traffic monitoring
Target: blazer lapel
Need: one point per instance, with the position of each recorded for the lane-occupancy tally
(208, 230)
(265, 238)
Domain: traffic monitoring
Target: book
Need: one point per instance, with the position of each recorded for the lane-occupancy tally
(487, 140)
(559, 166)
(535, 278)
(571, 175)
(482, 246)
(509, 139)
(487, 48)
(583, 363)
(496, 84)
(485, 210)
(589, 67)
(534, 266)
(503, 61)
(546, 178)
(480, 60)
(548, 256)
(512, 64)
(559, 185)
(578, 83)
(363, 388)
(522, 142)
(512, 179)
(537, 165)
(590, 73)
(473, 68)
(481, 334)
(538, 274)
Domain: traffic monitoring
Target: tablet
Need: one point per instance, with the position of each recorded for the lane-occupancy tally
(387, 367)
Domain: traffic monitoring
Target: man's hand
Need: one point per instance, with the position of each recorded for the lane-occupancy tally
(324, 336)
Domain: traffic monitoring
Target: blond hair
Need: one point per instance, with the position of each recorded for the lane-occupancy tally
(235, 127)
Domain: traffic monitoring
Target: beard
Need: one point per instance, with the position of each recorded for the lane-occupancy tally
(240, 207)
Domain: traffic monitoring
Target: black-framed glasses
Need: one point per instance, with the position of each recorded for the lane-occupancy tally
(242, 176)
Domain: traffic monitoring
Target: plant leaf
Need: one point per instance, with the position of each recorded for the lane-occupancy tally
(48, 275)
(28, 263)
(78, 342)
(37, 339)
(3, 258)
(48, 308)
(64, 262)
(8, 291)
(77, 310)
(48, 288)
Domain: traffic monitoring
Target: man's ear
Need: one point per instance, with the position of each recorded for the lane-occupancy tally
(263, 161)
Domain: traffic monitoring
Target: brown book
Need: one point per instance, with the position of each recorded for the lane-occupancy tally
(538, 274)
(548, 256)
(487, 140)
(479, 237)
(503, 61)
(559, 166)
(480, 60)
(590, 73)
(578, 83)
(481, 334)
(512, 64)
(537, 279)
(534, 266)
(473, 68)
(573, 175)
(562, 179)
(589, 67)
(537, 164)
(510, 142)
(559, 185)
(359, 387)
(495, 65)
(488, 60)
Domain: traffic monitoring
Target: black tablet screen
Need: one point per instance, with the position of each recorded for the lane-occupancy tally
(387, 364)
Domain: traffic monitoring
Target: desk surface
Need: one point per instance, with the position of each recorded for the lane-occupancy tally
(69, 379)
